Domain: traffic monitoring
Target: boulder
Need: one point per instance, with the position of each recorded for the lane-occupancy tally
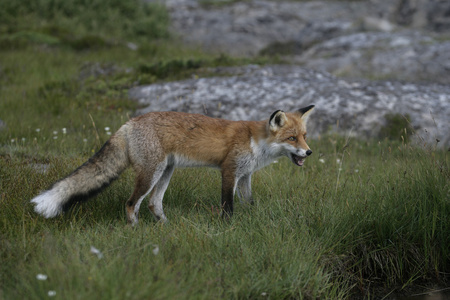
(376, 39)
(245, 28)
(355, 107)
(405, 55)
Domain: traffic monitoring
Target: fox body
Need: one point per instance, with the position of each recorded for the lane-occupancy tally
(156, 143)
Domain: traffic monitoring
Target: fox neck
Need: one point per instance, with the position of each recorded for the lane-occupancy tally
(264, 152)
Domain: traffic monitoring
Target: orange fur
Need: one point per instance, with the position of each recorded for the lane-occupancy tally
(157, 142)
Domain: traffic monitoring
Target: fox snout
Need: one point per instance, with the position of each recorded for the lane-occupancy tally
(308, 152)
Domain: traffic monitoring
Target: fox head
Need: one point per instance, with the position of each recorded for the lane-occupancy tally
(288, 131)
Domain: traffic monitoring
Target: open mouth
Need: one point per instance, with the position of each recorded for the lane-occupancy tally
(298, 160)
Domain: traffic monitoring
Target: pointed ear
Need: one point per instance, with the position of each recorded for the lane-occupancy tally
(305, 112)
(277, 120)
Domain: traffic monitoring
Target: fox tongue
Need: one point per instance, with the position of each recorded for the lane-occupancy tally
(297, 160)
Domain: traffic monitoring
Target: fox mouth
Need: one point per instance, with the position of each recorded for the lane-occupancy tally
(298, 160)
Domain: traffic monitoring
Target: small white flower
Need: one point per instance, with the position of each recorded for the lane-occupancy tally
(275, 161)
(23, 139)
(356, 170)
(41, 277)
(338, 161)
(51, 293)
(85, 140)
(156, 250)
(322, 160)
(38, 129)
(107, 128)
(264, 294)
(64, 130)
(13, 140)
(55, 137)
(108, 132)
(96, 252)
(55, 132)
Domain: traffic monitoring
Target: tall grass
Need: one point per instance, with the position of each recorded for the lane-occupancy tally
(358, 215)
(383, 224)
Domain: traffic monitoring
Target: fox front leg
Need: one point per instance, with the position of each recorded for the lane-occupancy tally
(228, 188)
(245, 189)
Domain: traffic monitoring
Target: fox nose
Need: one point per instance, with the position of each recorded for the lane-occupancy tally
(308, 152)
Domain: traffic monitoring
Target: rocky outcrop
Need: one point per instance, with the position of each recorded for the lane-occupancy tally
(353, 107)
(248, 27)
(406, 55)
(422, 14)
(394, 41)
(400, 39)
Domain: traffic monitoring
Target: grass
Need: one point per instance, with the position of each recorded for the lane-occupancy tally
(361, 217)
(371, 215)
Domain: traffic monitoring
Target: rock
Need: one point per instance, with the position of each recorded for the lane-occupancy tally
(406, 55)
(346, 38)
(424, 14)
(245, 28)
(355, 107)
(377, 24)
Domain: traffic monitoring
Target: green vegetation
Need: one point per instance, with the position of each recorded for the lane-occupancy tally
(397, 128)
(359, 215)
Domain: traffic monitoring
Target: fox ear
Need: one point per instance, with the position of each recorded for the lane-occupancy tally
(305, 112)
(277, 120)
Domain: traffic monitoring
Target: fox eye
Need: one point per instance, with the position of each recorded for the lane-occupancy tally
(292, 138)
(304, 136)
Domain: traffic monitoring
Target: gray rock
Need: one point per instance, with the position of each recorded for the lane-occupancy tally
(406, 55)
(350, 107)
(350, 38)
(247, 27)
(424, 14)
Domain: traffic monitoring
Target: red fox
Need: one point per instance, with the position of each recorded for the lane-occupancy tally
(157, 142)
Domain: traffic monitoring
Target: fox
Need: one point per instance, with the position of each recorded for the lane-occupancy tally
(156, 143)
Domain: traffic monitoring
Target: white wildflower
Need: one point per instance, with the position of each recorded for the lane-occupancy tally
(38, 129)
(108, 132)
(55, 132)
(156, 250)
(51, 293)
(85, 140)
(107, 128)
(24, 139)
(96, 252)
(322, 160)
(41, 277)
(64, 130)
(338, 161)
(55, 137)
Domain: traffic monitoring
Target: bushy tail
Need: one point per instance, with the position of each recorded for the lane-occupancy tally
(89, 179)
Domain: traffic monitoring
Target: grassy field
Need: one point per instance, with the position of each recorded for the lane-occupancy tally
(361, 217)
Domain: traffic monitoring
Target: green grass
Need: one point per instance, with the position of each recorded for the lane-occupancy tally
(359, 217)
(369, 216)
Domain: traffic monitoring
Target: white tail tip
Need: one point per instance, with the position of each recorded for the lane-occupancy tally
(48, 204)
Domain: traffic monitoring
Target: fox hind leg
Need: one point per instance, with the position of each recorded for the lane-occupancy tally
(156, 199)
(145, 181)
